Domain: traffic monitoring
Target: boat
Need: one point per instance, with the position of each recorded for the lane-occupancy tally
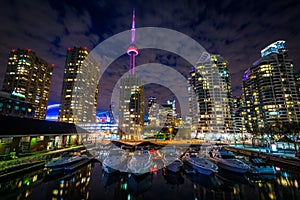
(259, 167)
(155, 155)
(225, 159)
(140, 162)
(175, 166)
(114, 161)
(171, 160)
(199, 163)
(68, 161)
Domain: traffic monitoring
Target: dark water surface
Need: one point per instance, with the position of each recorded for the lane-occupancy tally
(90, 182)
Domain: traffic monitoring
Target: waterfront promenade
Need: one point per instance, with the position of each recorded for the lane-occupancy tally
(30, 161)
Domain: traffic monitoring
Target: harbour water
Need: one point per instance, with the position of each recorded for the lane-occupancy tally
(91, 182)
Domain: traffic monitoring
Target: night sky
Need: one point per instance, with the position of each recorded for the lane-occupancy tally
(237, 30)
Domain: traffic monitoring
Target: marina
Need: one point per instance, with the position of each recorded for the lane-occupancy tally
(89, 180)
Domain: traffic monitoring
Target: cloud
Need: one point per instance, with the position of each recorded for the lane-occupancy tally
(39, 26)
(237, 30)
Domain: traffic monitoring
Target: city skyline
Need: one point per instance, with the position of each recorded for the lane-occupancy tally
(235, 30)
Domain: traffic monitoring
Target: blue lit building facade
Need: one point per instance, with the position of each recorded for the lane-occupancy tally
(12, 104)
(270, 89)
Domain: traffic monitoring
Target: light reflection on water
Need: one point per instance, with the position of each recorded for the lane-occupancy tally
(90, 182)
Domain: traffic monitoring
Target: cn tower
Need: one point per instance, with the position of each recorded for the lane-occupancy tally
(131, 106)
(132, 50)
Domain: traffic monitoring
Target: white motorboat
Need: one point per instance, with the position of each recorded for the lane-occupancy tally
(140, 162)
(226, 159)
(200, 164)
(67, 161)
(114, 161)
(171, 160)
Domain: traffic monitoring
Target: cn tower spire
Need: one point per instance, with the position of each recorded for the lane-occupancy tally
(133, 27)
(132, 50)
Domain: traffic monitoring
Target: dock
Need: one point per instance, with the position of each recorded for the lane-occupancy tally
(279, 158)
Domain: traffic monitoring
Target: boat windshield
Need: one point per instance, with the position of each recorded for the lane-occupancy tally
(115, 152)
(258, 162)
(227, 156)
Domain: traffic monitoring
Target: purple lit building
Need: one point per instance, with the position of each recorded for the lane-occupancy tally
(270, 89)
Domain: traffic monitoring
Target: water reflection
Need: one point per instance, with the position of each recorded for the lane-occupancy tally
(110, 178)
(91, 182)
(138, 184)
(173, 178)
(74, 185)
(20, 187)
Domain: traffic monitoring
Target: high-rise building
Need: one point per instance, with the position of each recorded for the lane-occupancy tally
(131, 105)
(167, 114)
(151, 101)
(163, 115)
(29, 77)
(211, 97)
(297, 78)
(78, 96)
(239, 115)
(153, 115)
(152, 110)
(270, 89)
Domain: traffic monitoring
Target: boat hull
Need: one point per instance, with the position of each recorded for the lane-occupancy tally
(226, 160)
(200, 165)
(267, 172)
(66, 167)
(113, 164)
(260, 167)
(62, 165)
(140, 163)
(229, 166)
(198, 169)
